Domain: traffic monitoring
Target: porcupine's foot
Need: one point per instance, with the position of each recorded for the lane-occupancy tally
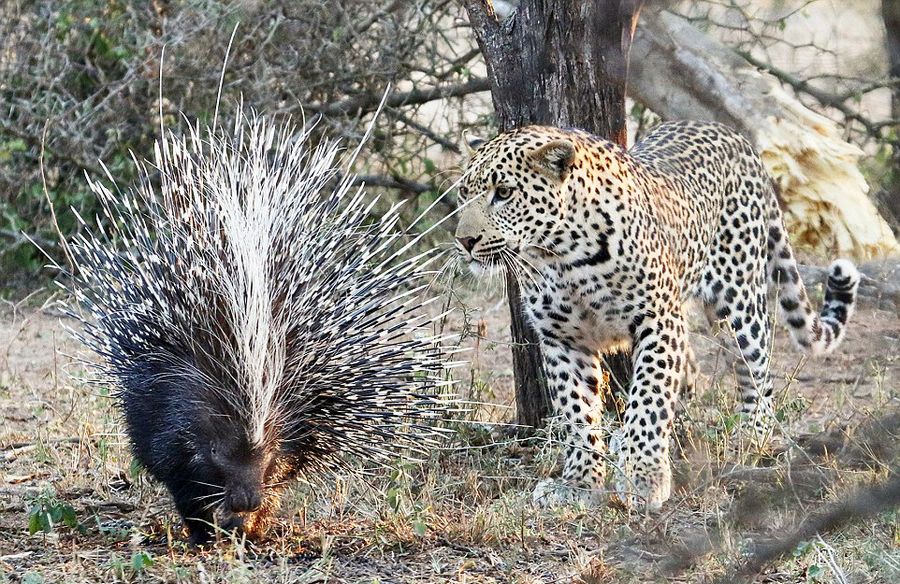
(200, 532)
(231, 522)
(205, 525)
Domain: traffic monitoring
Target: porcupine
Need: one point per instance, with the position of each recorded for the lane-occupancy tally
(256, 324)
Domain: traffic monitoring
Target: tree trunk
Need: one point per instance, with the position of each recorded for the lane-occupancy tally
(890, 14)
(561, 63)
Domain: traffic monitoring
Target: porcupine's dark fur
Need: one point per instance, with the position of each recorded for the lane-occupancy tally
(256, 325)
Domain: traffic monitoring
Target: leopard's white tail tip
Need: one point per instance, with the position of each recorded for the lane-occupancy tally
(844, 274)
(818, 334)
(840, 298)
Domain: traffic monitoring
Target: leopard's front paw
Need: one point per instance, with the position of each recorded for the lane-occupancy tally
(755, 429)
(551, 493)
(643, 486)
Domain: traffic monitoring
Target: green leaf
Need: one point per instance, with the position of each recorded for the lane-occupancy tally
(34, 523)
(68, 515)
(419, 527)
(55, 512)
(393, 499)
(430, 167)
(141, 560)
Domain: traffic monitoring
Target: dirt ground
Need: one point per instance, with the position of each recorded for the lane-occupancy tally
(464, 515)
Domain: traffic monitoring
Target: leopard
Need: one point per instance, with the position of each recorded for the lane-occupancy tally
(609, 246)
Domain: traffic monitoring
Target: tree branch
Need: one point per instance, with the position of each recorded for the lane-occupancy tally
(823, 97)
(35, 142)
(457, 63)
(393, 182)
(424, 130)
(367, 102)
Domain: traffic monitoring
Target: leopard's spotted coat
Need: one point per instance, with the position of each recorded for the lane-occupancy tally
(608, 244)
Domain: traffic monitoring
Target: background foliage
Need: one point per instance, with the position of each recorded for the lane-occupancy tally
(79, 84)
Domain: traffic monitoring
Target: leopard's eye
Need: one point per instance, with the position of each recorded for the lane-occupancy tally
(502, 193)
(463, 192)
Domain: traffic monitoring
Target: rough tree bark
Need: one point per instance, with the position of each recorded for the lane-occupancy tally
(561, 63)
(890, 14)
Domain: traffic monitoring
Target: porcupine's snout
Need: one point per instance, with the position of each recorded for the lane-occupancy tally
(244, 497)
(247, 505)
(245, 475)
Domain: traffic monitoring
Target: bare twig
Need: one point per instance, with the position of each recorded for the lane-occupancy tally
(367, 102)
(424, 130)
(823, 97)
(394, 182)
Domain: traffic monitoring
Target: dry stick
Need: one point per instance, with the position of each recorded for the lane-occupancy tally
(62, 240)
(424, 130)
(13, 451)
(366, 102)
(393, 182)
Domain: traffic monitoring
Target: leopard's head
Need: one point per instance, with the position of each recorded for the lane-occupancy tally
(514, 191)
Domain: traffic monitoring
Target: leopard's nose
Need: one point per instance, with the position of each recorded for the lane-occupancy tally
(468, 243)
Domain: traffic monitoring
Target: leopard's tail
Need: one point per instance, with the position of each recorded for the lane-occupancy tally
(817, 334)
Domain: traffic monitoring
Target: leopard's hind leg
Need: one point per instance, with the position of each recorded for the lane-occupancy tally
(734, 287)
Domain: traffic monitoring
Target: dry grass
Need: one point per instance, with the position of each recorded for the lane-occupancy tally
(465, 515)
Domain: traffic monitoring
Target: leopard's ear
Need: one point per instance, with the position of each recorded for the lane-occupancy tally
(554, 158)
(472, 143)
